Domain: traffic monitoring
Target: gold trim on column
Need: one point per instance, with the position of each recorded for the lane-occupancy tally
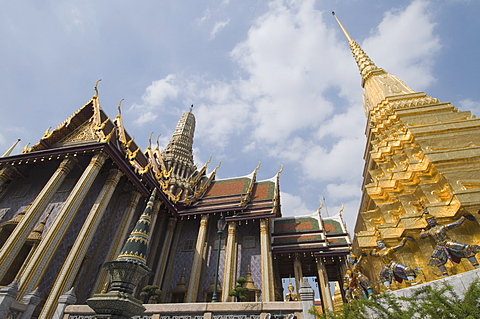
(71, 266)
(119, 239)
(324, 285)
(169, 270)
(230, 267)
(198, 261)
(33, 213)
(266, 260)
(167, 244)
(33, 272)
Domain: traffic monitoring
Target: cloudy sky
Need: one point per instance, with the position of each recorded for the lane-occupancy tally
(270, 81)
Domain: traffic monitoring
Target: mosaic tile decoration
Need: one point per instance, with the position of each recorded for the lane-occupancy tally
(296, 225)
(298, 239)
(263, 190)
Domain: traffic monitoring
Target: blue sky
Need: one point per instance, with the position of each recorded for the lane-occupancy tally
(271, 81)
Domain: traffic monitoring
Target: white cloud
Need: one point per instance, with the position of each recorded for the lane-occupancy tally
(160, 90)
(205, 17)
(218, 27)
(286, 73)
(405, 44)
(292, 69)
(343, 191)
(145, 117)
(154, 98)
(341, 162)
(471, 105)
(293, 205)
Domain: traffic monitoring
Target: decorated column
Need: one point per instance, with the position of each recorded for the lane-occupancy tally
(36, 267)
(198, 261)
(17, 238)
(125, 272)
(77, 253)
(167, 243)
(268, 293)
(324, 285)
(169, 266)
(120, 237)
(230, 270)
(298, 272)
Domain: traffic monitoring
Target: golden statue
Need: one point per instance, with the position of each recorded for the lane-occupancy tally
(291, 296)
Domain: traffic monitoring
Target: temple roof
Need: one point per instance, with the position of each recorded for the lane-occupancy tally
(243, 196)
(311, 233)
(183, 188)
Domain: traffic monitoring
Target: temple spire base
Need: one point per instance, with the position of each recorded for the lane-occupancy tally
(118, 302)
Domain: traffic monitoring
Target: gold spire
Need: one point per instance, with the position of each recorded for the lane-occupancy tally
(342, 27)
(365, 64)
(10, 150)
(249, 280)
(378, 84)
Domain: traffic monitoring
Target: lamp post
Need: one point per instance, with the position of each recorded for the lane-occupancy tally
(220, 227)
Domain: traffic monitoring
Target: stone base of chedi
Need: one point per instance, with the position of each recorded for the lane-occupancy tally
(460, 283)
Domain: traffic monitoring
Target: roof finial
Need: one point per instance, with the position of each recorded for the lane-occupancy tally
(150, 139)
(326, 208)
(119, 104)
(280, 171)
(319, 209)
(96, 87)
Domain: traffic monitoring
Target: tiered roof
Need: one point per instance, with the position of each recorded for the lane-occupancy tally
(243, 197)
(184, 192)
(325, 236)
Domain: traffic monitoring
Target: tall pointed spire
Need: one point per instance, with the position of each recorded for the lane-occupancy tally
(126, 272)
(365, 64)
(178, 155)
(180, 146)
(135, 249)
(377, 83)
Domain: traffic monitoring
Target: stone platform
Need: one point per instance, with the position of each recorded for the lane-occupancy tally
(460, 283)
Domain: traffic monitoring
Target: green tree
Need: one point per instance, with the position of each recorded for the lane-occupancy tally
(429, 302)
(150, 294)
(239, 292)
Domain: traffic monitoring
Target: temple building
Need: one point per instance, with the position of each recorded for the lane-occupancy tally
(68, 205)
(422, 159)
(85, 203)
